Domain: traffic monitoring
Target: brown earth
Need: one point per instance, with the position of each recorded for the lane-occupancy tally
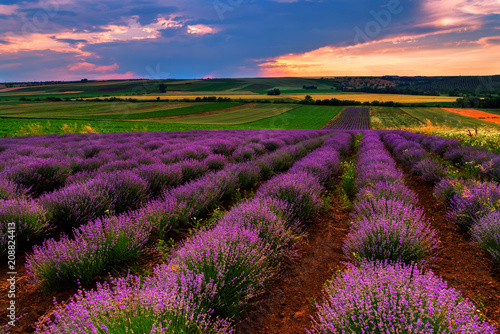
(288, 303)
(218, 111)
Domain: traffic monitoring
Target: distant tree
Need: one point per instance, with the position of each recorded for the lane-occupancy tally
(84, 80)
(162, 87)
(274, 91)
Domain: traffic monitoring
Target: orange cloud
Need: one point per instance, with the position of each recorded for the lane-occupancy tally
(201, 29)
(408, 57)
(89, 67)
(132, 30)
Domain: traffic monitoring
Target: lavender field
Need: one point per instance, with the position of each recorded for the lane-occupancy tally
(233, 207)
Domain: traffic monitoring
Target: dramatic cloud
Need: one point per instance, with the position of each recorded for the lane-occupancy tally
(69, 39)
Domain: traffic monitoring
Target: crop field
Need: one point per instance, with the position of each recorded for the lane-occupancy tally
(440, 116)
(237, 116)
(196, 226)
(100, 119)
(477, 114)
(387, 117)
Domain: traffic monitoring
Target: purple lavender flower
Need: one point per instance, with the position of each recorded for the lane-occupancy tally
(388, 190)
(394, 298)
(235, 259)
(129, 305)
(486, 233)
(38, 175)
(28, 217)
(301, 190)
(473, 202)
(394, 238)
(95, 247)
(160, 177)
(10, 190)
(430, 171)
(491, 169)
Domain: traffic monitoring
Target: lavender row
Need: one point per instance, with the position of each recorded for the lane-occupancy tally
(474, 205)
(56, 264)
(386, 292)
(91, 194)
(352, 119)
(476, 160)
(211, 276)
(44, 164)
(386, 223)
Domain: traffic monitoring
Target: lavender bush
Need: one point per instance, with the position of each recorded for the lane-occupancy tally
(301, 191)
(474, 202)
(388, 190)
(235, 259)
(393, 238)
(38, 175)
(486, 233)
(96, 246)
(394, 298)
(29, 220)
(130, 306)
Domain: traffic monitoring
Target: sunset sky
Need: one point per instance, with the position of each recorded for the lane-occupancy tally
(70, 39)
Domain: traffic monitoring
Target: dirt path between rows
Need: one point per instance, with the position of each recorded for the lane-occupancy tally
(287, 306)
(460, 263)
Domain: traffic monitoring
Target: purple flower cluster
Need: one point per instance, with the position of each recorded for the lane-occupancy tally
(302, 191)
(472, 202)
(375, 163)
(10, 190)
(386, 224)
(37, 174)
(28, 217)
(382, 297)
(403, 238)
(412, 154)
(95, 247)
(486, 233)
(130, 305)
(324, 162)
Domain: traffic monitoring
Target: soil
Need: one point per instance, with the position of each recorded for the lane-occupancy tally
(288, 303)
(462, 264)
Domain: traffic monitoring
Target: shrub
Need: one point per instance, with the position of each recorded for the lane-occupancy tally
(130, 306)
(38, 175)
(430, 171)
(393, 208)
(382, 237)
(160, 177)
(394, 298)
(192, 169)
(126, 189)
(491, 169)
(26, 216)
(235, 259)
(95, 247)
(268, 217)
(10, 190)
(78, 203)
(388, 190)
(473, 202)
(300, 190)
(486, 234)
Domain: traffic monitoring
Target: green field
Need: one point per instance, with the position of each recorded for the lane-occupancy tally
(442, 117)
(387, 117)
(239, 116)
(300, 117)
